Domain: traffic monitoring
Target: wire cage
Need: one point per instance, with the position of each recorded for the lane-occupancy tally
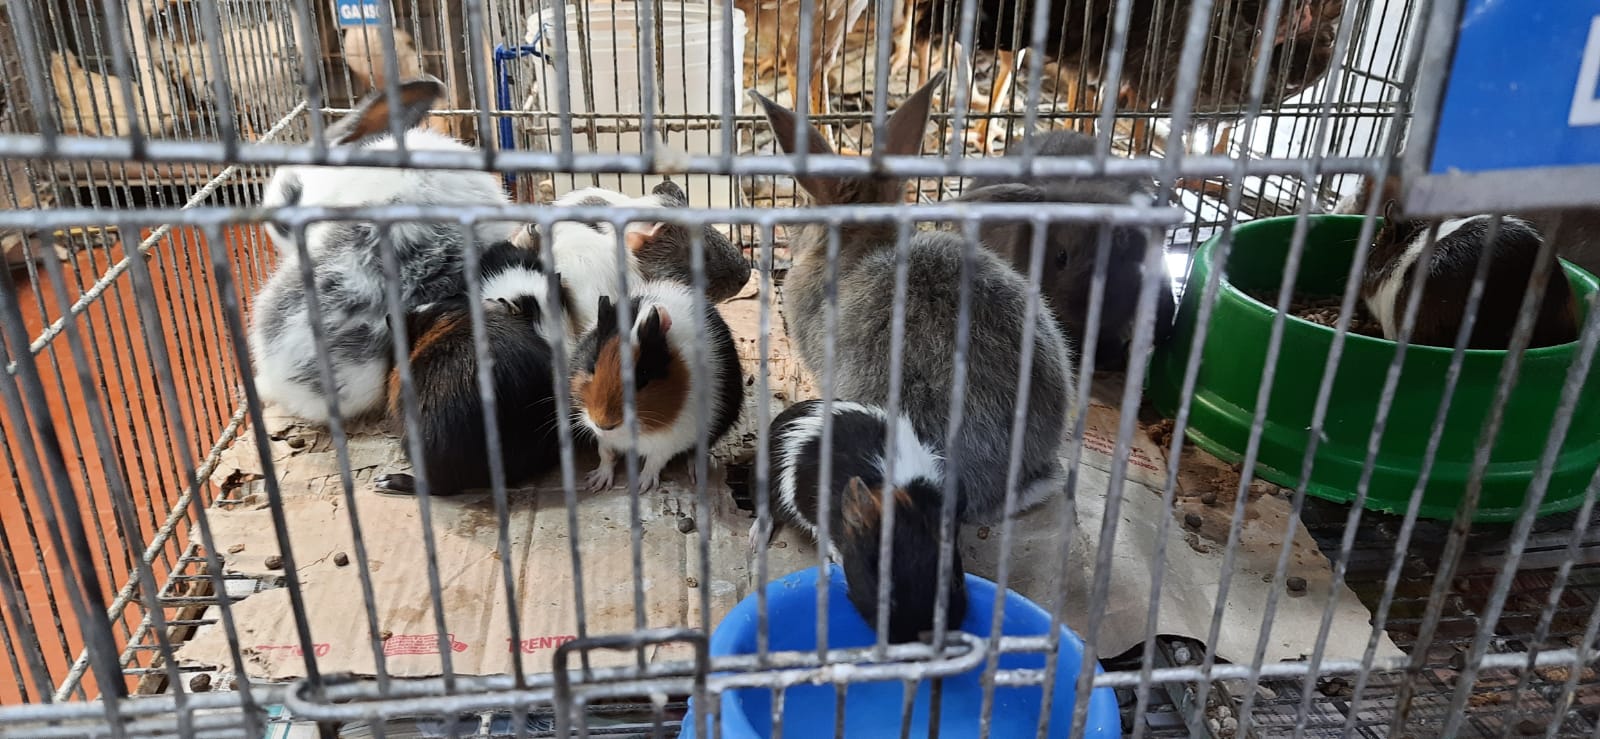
(188, 548)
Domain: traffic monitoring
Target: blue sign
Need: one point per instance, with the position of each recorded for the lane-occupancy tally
(356, 12)
(1524, 88)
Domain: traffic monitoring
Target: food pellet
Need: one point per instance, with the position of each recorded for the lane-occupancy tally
(340, 559)
(200, 683)
(1209, 498)
(1193, 520)
(1296, 584)
(686, 525)
(274, 562)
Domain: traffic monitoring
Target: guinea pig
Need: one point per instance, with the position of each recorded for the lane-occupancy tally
(1068, 267)
(1447, 281)
(667, 394)
(855, 515)
(522, 335)
(1576, 231)
(1391, 273)
(586, 253)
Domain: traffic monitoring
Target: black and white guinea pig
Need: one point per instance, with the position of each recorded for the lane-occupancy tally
(523, 334)
(1068, 267)
(667, 393)
(586, 253)
(1391, 272)
(860, 462)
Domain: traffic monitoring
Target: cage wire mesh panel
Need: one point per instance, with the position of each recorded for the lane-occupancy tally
(272, 265)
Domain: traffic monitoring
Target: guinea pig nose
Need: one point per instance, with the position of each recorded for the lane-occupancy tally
(608, 426)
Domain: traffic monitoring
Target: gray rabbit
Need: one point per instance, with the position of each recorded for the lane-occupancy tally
(1068, 266)
(347, 261)
(866, 278)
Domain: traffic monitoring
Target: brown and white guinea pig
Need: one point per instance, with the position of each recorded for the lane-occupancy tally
(666, 391)
(1068, 267)
(855, 514)
(523, 334)
(1391, 274)
(586, 253)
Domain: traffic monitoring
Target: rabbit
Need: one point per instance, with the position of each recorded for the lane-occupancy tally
(866, 280)
(346, 260)
(522, 337)
(1391, 271)
(860, 435)
(1068, 267)
(667, 392)
(586, 253)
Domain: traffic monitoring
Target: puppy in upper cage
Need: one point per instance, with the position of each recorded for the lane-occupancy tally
(866, 302)
(586, 253)
(669, 391)
(523, 333)
(860, 466)
(346, 260)
(1068, 266)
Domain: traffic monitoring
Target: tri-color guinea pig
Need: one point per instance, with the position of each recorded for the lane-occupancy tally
(665, 350)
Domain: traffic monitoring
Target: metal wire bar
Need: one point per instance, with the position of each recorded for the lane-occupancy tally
(1292, 153)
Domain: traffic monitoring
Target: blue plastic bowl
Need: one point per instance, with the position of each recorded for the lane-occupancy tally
(873, 709)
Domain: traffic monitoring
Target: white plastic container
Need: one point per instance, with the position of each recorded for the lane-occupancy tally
(689, 82)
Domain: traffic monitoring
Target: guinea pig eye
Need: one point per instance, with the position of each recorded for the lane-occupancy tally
(1061, 259)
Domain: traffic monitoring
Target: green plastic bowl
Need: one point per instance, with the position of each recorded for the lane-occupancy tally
(1235, 354)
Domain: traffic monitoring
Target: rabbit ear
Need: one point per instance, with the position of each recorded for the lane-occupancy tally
(906, 126)
(370, 119)
(786, 129)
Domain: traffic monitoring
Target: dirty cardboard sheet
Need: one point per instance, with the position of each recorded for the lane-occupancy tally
(476, 598)
(1193, 567)
(470, 567)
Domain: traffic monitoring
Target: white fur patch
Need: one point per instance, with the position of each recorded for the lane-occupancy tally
(587, 259)
(912, 459)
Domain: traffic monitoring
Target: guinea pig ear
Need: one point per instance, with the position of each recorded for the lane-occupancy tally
(639, 235)
(655, 325)
(1391, 214)
(862, 509)
(669, 193)
(605, 317)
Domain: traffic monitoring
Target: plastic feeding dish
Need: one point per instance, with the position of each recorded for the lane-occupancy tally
(1235, 353)
(873, 709)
